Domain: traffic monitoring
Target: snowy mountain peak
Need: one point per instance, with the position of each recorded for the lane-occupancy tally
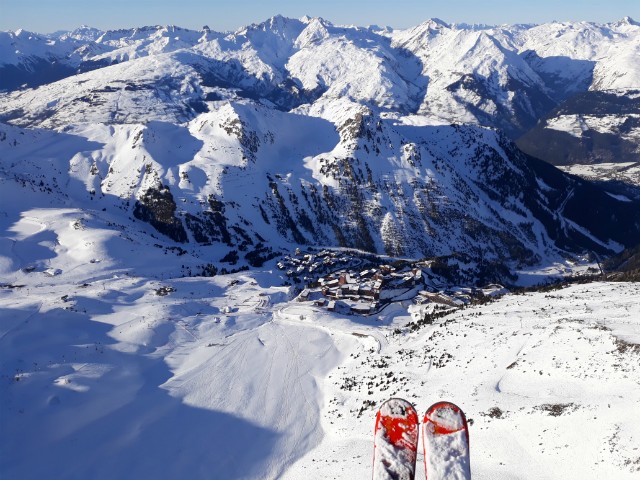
(435, 23)
(453, 72)
(23, 34)
(83, 33)
(431, 27)
(308, 19)
(315, 31)
(277, 25)
(629, 21)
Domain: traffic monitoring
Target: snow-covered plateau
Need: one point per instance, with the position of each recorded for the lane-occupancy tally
(221, 252)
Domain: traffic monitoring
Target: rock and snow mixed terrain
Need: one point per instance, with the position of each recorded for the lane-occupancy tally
(395, 188)
(589, 128)
(306, 132)
(620, 178)
(113, 368)
(137, 166)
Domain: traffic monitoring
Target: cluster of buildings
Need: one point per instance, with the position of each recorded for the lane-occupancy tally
(348, 283)
(308, 263)
(361, 292)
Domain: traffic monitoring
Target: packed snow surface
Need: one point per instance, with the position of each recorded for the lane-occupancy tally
(117, 369)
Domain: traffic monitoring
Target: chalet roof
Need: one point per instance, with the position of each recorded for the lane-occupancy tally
(361, 307)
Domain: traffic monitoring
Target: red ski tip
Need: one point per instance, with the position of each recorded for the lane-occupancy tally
(395, 441)
(398, 419)
(444, 418)
(445, 440)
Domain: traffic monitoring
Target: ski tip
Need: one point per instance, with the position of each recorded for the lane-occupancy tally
(444, 404)
(397, 401)
(395, 440)
(397, 421)
(443, 418)
(398, 407)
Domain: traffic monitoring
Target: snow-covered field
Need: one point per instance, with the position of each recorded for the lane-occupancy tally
(106, 374)
(549, 379)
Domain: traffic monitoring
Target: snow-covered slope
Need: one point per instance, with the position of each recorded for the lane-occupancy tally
(597, 121)
(589, 128)
(475, 76)
(114, 365)
(250, 179)
(118, 362)
(161, 87)
(618, 178)
(299, 131)
(139, 166)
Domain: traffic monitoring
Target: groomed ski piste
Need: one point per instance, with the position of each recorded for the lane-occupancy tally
(111, 367)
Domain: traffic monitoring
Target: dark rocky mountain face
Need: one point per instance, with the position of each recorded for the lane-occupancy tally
(586, 204)
(33, 73)
(625, 266)
(590, 127)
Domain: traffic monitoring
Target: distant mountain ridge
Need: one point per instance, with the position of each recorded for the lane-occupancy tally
(295, 132)
(504, 76)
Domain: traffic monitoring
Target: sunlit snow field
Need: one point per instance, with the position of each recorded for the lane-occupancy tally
(227, 377)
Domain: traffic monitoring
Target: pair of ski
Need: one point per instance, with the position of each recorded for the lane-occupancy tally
(445, 441)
